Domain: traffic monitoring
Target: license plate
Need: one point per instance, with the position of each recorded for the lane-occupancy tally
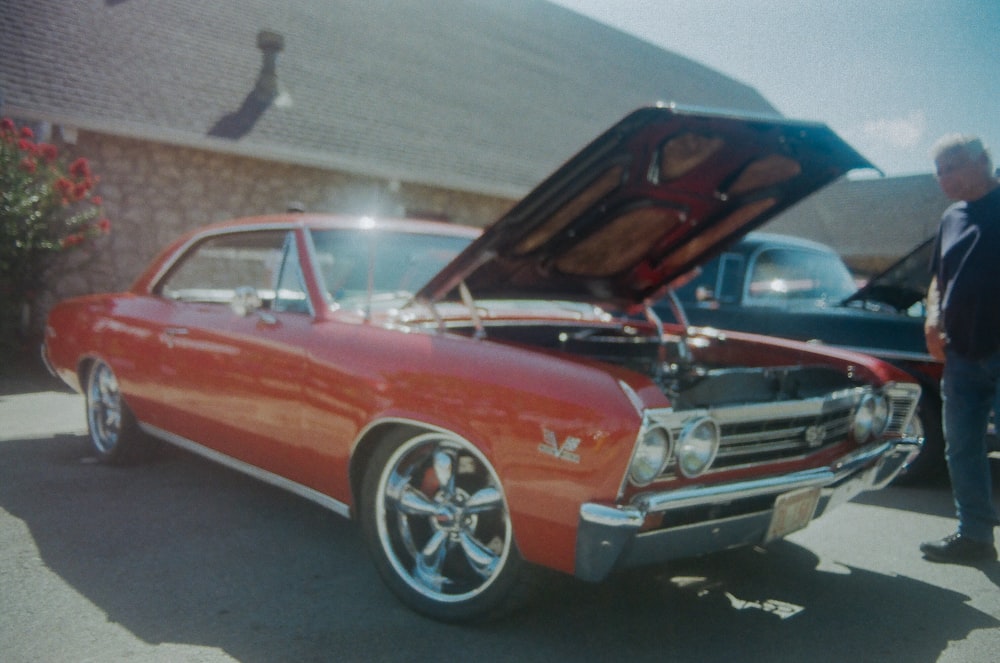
(792, 512)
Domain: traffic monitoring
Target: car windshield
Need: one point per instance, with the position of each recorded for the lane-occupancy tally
(401, 262)
(784, 275)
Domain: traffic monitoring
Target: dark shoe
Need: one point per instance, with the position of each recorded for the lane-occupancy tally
(958, 549)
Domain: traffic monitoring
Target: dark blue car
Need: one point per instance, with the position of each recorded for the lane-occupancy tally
(794, 288)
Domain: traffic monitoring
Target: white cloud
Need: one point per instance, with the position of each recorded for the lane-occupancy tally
(901, 132)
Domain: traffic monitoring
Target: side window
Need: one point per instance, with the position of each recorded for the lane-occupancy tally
(718, 281)
(773, 274)
(290, 291)
(730, 281)
(781, 275)
(212, 271)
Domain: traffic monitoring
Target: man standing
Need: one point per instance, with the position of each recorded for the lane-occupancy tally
(963, 328)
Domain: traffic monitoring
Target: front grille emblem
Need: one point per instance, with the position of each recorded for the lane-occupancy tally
(814, 436)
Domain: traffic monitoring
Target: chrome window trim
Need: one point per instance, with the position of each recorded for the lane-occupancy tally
(290, 256)
(182, 251)
(306, 233)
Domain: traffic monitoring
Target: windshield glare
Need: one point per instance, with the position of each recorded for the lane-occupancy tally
(401, 262)
(782, 275)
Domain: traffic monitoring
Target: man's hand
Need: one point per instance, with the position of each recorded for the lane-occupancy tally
(933, 333)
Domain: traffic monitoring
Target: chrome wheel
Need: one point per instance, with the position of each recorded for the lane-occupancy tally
(436, 514)
(114, 432)
(104, 409)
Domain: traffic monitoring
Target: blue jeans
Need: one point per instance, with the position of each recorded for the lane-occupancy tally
(970, 389)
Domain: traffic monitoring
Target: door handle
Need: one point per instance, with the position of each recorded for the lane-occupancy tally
(168, 334)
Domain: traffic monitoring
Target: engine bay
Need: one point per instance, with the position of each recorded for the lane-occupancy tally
(693, 368)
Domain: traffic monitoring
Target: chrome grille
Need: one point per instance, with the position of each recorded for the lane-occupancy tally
(779, 439)
(762, 433)
(903, 399)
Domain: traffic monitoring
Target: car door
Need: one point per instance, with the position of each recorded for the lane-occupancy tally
(231, 359)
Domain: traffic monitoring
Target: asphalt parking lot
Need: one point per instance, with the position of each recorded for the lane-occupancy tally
(180, 560)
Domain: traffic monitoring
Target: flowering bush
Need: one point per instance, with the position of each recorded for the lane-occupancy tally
(46, 206)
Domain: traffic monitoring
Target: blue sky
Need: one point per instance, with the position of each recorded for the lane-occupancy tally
(889, 76)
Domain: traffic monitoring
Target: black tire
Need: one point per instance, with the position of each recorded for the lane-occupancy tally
(434, 515)
(115, 436)
(930, 463)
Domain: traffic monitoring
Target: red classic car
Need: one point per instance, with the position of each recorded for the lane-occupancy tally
(489, 404)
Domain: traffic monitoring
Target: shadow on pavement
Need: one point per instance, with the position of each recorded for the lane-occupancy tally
(182, 551)
(932, 498)
(26, 374)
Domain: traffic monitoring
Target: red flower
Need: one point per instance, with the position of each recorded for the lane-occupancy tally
(80, 168)
(64, 186)
(70, 241)
(60, 207)
(80, 190)
(47, 152)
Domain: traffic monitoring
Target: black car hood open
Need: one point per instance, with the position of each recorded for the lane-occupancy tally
(657, 194)
(903, 284)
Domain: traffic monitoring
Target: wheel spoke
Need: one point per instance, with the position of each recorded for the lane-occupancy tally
(444, 470)
(430, 560)
(482, 560)
(412, 502)
(108, 387)
(112, 418)
(484, 500)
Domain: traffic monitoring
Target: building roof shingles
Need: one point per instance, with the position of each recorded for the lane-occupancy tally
(467, 94)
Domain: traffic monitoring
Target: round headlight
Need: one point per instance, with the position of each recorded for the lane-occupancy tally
(651, 454)
(864, 418)
(880, 416)
(697, 447)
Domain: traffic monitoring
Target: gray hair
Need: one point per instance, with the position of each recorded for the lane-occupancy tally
(971, 146)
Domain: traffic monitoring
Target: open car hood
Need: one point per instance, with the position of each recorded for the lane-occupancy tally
(654, 196)
(903, 284)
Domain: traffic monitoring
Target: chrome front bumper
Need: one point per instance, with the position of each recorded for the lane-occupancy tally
(608, 537)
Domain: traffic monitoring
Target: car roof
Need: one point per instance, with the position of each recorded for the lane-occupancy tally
(756, 240)
(321, 220)
(289, 221)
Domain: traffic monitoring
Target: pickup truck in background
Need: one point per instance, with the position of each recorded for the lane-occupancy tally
(785, 286)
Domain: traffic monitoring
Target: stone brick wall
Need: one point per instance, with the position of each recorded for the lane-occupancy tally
(154, 192)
